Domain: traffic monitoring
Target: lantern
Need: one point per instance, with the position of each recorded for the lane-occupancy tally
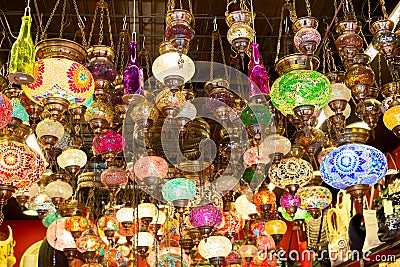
(205, 218)
(314, 198)
(59, 191)
(290, 203)
(108, 224)
(306, 38)
(276, 229)
(19, 111)
(231, 223)
(245, 207)
(149, 169)
(58, 237)
(264, 200)
(179, 191)
(215, 249)
(300, 88)
(76, 225)
(109, 144)
(72, 160)
(275, 146)
(99, 115)
(49, 132)
(391, 119)
(247, 252)
(89, 243)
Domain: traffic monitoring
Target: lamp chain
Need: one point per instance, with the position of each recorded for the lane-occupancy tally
(278, 48)
(385, 15)
(335, 6)
(92, 28)
(62, 18)
(308, 8)
(213, 37)
(43, 35)
(109, 28)
(80, 24)
(101, 26)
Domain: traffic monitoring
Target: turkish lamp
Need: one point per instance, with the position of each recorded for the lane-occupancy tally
(125, 217)
(179, 191)
(244, 207)
(276, 229)
(307, 37)
(178, 30)
(391, 119)
(349, 42)
(247, 252)
(384, 40)
(58, 191)
(264, 200)
(369, 110)
(145, 240)
(76, 224)
(149, 170)
(159, 218)
(215, 249)
(314, 199)
(109, 224)
(23, 195)
(171, 68)
(72, 160)
(146, 213)
(22, 57)
(49, 132)
(276, 146)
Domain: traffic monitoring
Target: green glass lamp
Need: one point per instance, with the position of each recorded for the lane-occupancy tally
(179, 191)
(300, 88)
(256, 114)
(23, 53)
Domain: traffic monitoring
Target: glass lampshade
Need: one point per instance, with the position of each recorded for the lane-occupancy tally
(244, 207)
(64, 142)
(76, 223)
(276, 143)
(72, 157)
(353, 164)
(59, 189)
(108, 222)
(215, 246)
(289, 200)
(226, 183)
(257, 73)
(144, 239)
(240, 33)
(290, 171)
(102, 69)
(264, 197)
(40, 202)
(73, 81)
(20, 165)
(125, 215)
(30, 191)
(299, 215)
(306, 35)
(232, 222)
(99, 110)
(187, 110)
(256, 114)
(340, 92)
(259, 229)
(6, 110)
(159, 218)
(207, 215)
(143, 111)
(50, 127)
(251, 176)
(150, 166)
(89, 242)
(299, 88)
(108, 141)
(220, 98)
(247, 251)
(58, 237)
(314, 197)
(167, 65)
(114, 177)
(19, 110)
(179, 189)
(51, 217)
(391, 118)
(275, 227)
(255, 155)
(147, 210)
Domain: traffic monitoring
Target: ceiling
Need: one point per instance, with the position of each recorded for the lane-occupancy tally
(150, 25)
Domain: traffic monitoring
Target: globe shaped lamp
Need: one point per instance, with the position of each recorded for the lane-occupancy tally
(73, 82)
(299, 215)
(58, 237)
(354, 167)
(109, 144)
(6, 110)
(179, 191)
(146, 212)
(215, 249)
(256, 118)
(306, 38)
(114, 178)
(99, 115)
(232, 222)
(145, 240)
(89, 244)
(300, 88)
(314, 199)
(290, 173)
(276, 146)
(76, 225)
(247, 252)
(72, 160)
(149, 169)
(264, 199)
(276, 229)
(391, 119)
(18, 110)
(108, 224)
(169, 102)
(125, 217)
(144, 114)
(172, 68)
(290, 203)
(205, 218)
(49, 132)
(226, 183)
(59, 191)
(244, 207)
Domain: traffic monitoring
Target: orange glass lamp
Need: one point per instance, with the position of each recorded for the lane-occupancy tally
(276, 229)
(264, 200)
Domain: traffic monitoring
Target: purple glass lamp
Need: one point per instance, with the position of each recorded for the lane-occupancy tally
(257, 73)
(205, 218)
(133, 78)
(109, 144)
(290, 203)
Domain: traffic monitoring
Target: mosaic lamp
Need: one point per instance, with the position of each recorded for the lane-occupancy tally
(179, 191)
(300, 88)
(354, 167)
(150, 169)
(290, 173)
(215, 249)
(108, 224)
(391, 119)
(58, 191)
(247, 252)
(72, 160)
(314, 199)
(58, 237)
(276, 229)
(125, 217)
(49, 132)
(76, 225)
(205, 218)
(264, 199)
(244, 207)
(6, 110)
(290, 203)
(109, 144)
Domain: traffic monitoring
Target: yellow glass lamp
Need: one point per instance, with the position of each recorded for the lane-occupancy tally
(276, 229)
(391, 119)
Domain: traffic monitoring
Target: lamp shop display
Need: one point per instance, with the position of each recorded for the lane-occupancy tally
(168, 157)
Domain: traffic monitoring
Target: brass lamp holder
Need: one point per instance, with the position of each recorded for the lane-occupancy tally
(77, 114)
(70, 254)
(217, 261)
(73, 170)
(291, 210)
(56, 106)
(277, 238)
(206, 231)
(98, 125)
(187, 245)
(57, 202)
(304, 113)
(357, 193)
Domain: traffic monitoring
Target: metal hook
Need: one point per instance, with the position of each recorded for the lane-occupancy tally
(143, 41)
(215, 23)
(234, 51)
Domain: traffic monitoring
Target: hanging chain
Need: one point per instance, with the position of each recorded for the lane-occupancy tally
(385, 15)
(335, 6)
(118, 50)
(92, 28)
(324, 56)
(63, 18)
(122, 63)
(243, 5)
(213, 37)
(379, 70)
(42, 37)
(369, 12)
(80, 24)
(308, 7)
(101, 26)
(223, 55)
(170, 5)
(109, 28)
(278, 47)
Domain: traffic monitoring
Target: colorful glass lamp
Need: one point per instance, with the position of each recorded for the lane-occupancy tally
(205, 218)
(179, 191)
(314, 199)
